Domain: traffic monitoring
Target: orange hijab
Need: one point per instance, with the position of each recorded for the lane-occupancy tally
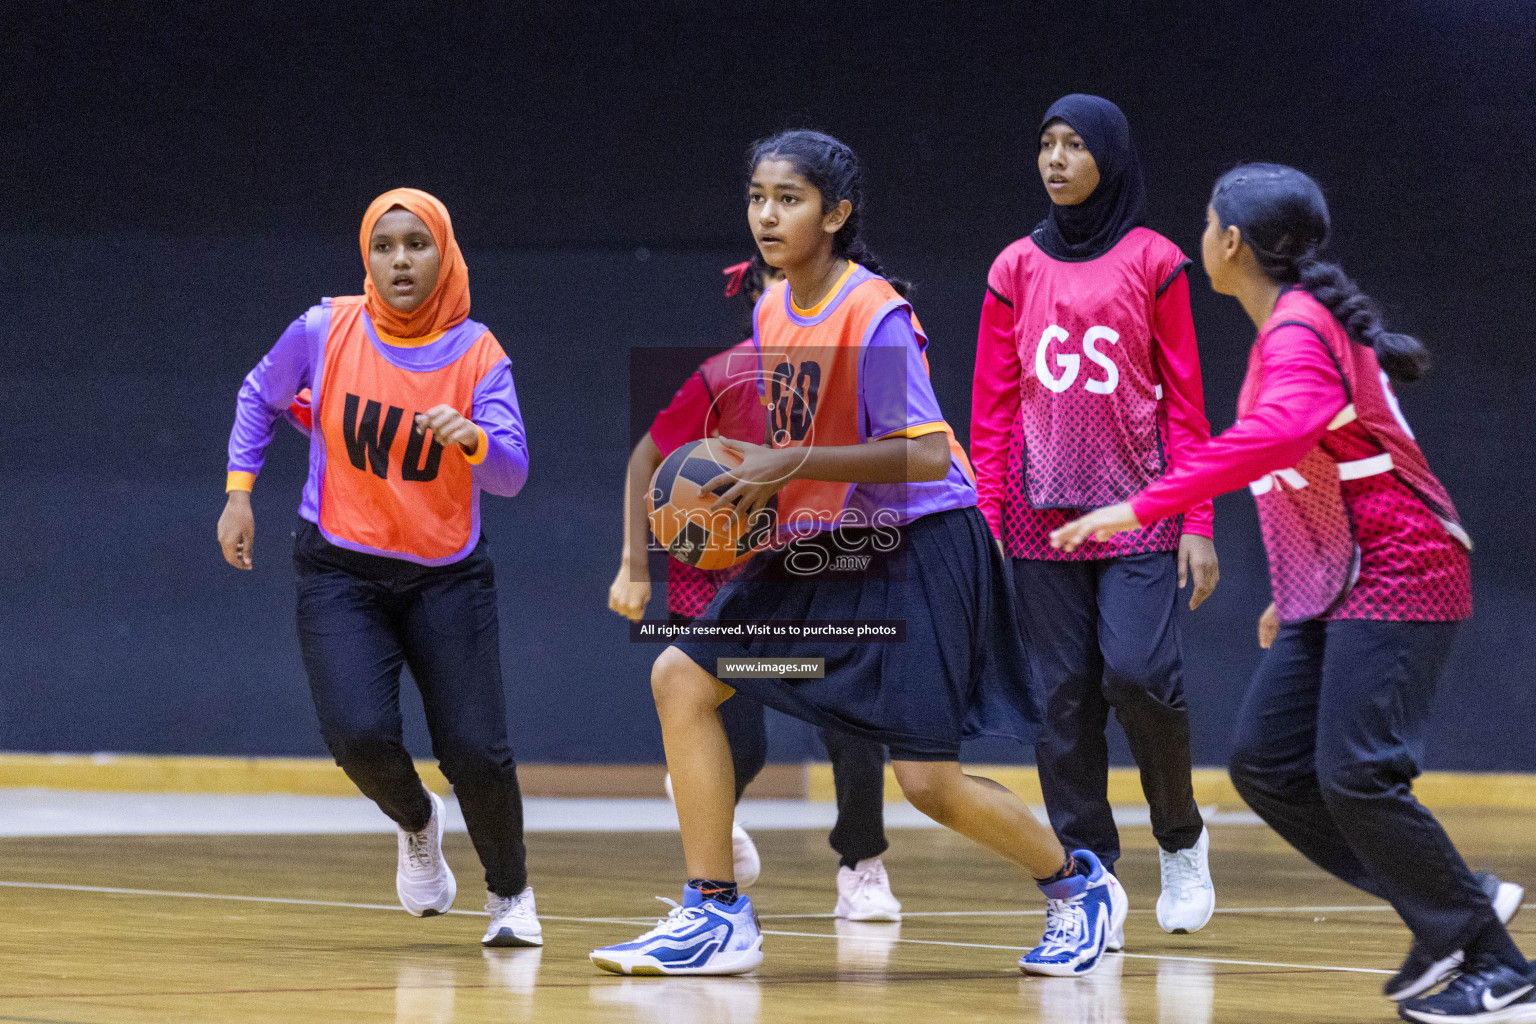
(448, 303)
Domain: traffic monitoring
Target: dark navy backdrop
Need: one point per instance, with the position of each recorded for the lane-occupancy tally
(179, 185)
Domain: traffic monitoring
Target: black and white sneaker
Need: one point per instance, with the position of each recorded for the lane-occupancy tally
(1419, 973)
(1488, 994)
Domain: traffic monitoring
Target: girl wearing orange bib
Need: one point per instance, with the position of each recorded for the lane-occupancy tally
(877, 521)
(720, 399)
(413, 413)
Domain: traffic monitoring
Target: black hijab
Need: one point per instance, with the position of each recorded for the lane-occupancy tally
(1119, 203)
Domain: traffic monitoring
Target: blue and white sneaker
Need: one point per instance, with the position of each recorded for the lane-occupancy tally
(1080, 915)
(1490, 994)
(699, 937)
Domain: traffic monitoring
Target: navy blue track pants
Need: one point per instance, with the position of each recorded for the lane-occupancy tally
(361, 618)
(1328, 742)
(1103, 635)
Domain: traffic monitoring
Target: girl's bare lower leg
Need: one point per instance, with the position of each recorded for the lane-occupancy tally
(699, 759)
(983, 811)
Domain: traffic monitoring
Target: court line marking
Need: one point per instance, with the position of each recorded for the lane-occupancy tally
(601, 981)
(114, 890)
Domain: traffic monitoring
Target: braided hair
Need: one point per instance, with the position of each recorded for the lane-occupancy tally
(1284, 220)
(834, 171)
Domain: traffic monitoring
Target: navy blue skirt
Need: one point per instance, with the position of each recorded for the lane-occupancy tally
(960, 673)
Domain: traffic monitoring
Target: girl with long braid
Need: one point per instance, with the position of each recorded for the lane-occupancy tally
(1370, 574)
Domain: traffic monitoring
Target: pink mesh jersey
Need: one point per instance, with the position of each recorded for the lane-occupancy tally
(690, 589)
(1304, 520)
(1087, 389)
(1410, 566)
(1366, 473)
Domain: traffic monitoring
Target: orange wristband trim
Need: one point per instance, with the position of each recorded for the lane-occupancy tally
(481, 451)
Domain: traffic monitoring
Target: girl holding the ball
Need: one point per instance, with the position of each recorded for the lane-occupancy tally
(411, 413)
(720, 399)
(877, 520)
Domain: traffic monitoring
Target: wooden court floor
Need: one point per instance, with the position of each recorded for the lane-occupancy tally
(324, 941)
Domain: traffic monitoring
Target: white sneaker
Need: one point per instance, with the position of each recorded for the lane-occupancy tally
(1188, 899)
(747, 864)
(422, 879)
(864, 893)
(514, 920)
(1116, 941)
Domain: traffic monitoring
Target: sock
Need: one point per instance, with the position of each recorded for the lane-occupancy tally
(1493, 944)
(1067, 870)
(709, 889)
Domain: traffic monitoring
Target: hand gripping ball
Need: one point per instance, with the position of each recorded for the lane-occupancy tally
(682, 520)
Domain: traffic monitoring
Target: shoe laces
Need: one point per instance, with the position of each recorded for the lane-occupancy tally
(1066, 924)
(679, 918)
(1467, 986)
(1475, 976)
(869, 878)
(418, 848)
(1181, 869)
(502, 906)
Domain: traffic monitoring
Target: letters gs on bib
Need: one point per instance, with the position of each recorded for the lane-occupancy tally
(370, 437)
(1070, 363)
(792, 396)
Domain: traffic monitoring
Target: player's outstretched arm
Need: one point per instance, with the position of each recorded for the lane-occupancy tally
(1100, 524)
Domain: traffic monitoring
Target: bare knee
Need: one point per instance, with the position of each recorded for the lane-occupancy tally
(929, 785)
(681, 687)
